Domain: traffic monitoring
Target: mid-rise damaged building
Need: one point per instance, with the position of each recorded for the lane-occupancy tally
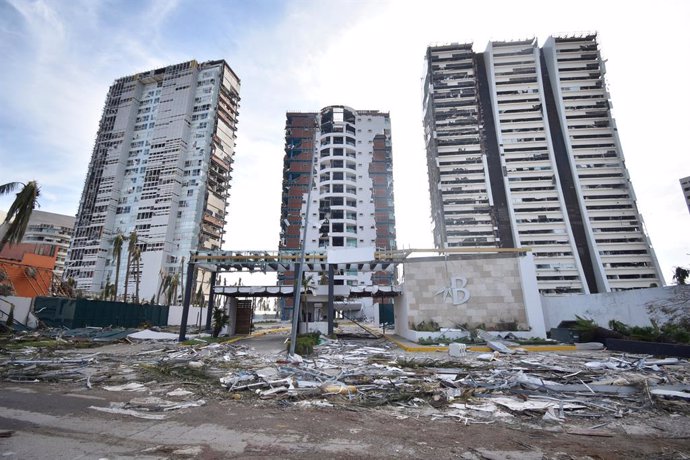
(351, 191)
(161, 168)
(522, 151)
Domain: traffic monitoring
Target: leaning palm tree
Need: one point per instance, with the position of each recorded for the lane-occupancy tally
(130, 252)
(117, 252)
(20, 211)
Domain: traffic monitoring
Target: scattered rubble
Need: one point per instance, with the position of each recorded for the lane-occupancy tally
(473, 388)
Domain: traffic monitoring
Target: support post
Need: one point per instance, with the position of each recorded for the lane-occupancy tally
(300, 272)
(189, 286)
(331, 307)
(211, 301)
(295, 308)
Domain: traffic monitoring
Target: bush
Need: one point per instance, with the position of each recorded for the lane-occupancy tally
(424, 326)
(305, 343)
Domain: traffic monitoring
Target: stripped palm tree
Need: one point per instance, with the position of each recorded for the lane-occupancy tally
(308, 283)
(117, 252)
(172, 288)
(182, 275)
(163, 286)
(130, 253)
(20, 212)
(137, 272)
(107, 293)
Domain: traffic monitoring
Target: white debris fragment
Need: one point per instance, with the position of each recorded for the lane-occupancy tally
(132, 386)
(295, 358)
(530, 404)
(148, 334)
(133, 413)
(179, 392)
(499, 347)
(317, 403)
(671, 393)
(457, 350)
(551, 416)
(488, 356)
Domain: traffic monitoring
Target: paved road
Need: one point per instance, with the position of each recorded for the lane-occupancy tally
(54, 421)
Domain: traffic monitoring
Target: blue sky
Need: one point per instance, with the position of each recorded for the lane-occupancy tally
(59, 57)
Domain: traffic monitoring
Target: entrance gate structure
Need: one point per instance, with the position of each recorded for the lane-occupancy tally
(283, 261)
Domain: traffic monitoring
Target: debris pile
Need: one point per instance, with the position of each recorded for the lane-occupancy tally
(468, 386)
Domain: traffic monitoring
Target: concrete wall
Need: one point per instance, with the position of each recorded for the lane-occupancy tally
(630, 307)
(476, 289)
(22, 310)
(175, 316)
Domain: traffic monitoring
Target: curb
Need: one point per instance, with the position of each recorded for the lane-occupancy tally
(479, 349)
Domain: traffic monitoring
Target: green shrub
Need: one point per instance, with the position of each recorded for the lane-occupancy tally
(424, 326)
(305, 343)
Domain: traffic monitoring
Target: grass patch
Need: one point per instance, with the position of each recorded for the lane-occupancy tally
(46, 344)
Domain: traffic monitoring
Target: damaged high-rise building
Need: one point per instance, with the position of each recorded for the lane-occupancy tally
(161, 168)
(352, 188)
(522, 151)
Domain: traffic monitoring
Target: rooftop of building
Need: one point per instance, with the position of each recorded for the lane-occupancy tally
(189, 64)
(52, 218)
(42, 218)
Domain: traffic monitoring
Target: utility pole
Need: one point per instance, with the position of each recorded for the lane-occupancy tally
(191, 269)
(300, 270)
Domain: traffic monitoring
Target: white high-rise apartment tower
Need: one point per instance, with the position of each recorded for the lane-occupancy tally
(161, 168)
(522, 151)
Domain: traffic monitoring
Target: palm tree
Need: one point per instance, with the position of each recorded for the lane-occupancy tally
(680, 275)
(172, 288)
(137, 273)
(130, 252)
(181, 280)
(20, 211)
(165, 281)
(117, 252)
(108, 291)
(307, 288)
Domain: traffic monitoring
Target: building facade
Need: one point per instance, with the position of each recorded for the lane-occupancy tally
(351, 195)
(685, 185)
(49, 228)
(522, 151)
(161, 168)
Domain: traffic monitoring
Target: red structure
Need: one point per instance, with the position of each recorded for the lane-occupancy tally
(27, 268)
